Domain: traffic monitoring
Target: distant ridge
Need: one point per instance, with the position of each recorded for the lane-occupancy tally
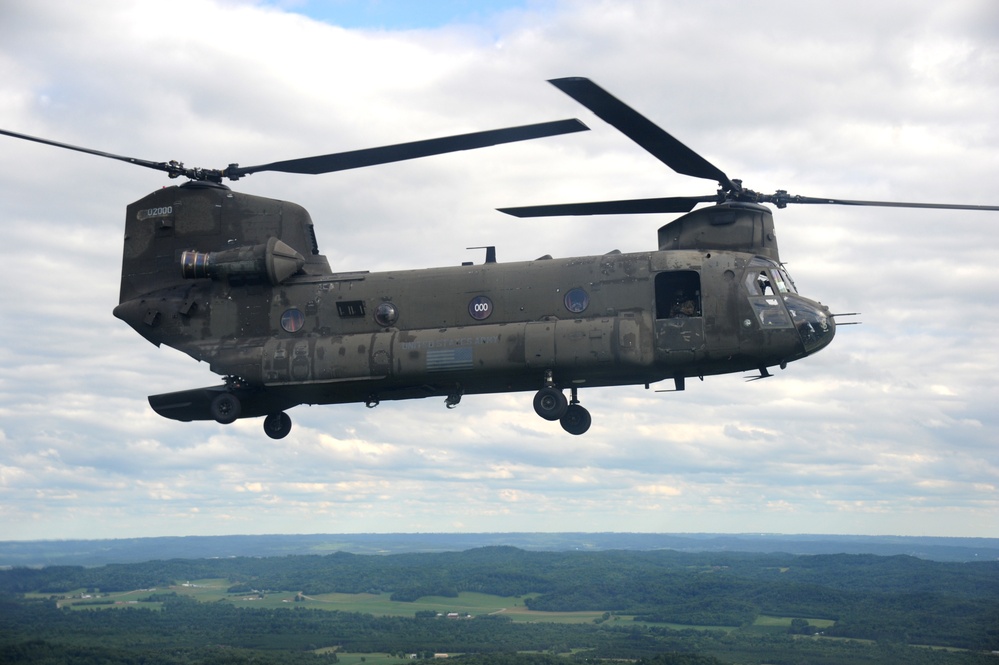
(130, 550)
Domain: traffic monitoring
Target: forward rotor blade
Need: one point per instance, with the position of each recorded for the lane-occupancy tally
(159, 166)
(395, 153)
(642, 131)
(887, 204)
(623, 207)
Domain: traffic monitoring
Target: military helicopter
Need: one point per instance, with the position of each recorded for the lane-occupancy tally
(238, 281)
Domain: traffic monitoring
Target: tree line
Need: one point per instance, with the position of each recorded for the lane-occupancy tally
(889, 600)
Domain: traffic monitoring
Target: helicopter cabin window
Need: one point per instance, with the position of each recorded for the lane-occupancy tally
(678, 294)
(292, 320)
(576, 300)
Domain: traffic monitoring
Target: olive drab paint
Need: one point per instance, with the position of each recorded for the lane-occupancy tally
(315, 336)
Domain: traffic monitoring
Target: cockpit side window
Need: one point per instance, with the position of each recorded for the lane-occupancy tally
(758, 283)
(779, 282)
(767, 285)
(787, 281)
(678, 294)
(768, 281)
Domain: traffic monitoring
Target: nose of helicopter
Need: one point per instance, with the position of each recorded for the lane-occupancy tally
(812, 320)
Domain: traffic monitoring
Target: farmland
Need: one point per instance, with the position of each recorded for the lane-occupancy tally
(494, 603)
(466, 605)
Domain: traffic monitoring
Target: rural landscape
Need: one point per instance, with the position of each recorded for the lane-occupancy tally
(502, 604)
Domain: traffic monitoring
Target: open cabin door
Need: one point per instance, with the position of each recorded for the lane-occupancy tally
(679, 322)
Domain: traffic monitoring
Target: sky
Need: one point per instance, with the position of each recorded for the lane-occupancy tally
(892, 429)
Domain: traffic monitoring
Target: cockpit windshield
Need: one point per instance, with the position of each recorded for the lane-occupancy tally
(775, 302)
(786, 284)
(765, 278)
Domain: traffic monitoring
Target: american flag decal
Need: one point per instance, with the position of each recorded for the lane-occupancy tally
(443, 360)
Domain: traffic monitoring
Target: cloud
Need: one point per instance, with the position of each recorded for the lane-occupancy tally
(891, 429)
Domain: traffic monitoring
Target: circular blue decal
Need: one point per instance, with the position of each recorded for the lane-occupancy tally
(292, 320)
(480, 308)
(576, 300)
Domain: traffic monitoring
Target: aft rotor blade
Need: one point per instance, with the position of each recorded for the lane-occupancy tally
(395, 153)
(159, 166)
(623, 207)
(887, 204)
(642, 131)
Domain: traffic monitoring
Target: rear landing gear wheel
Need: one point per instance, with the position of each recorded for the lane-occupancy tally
(226, 408)
(277, 425)
(550, 403)
(576, 419)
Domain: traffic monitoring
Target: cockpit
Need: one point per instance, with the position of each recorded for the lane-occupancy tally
(776, 303)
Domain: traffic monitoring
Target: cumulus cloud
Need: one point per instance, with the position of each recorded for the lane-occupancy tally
(890, 430)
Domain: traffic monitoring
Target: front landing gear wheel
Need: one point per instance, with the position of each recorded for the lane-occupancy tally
(226, 408)
(277, 425)
(576, 419)
(550, 403)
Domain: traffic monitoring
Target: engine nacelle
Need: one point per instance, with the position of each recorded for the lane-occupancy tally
(274, 260)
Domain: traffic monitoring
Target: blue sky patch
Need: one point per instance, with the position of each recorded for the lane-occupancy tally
(399, 14)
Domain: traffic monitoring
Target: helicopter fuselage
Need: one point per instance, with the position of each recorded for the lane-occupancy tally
(253, 298)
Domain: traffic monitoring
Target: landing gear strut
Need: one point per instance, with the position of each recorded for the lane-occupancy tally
(550, 403)
(277, 425)
(454, 397)
(576, 419)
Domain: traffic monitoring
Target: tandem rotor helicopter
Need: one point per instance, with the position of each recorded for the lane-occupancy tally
(238, 281)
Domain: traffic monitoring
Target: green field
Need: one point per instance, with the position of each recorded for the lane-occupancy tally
(472, 604)
(369, 659)
(466, 603)
(212, 590)
(785, 622)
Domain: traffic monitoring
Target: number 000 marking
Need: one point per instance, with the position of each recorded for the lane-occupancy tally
(480, 308)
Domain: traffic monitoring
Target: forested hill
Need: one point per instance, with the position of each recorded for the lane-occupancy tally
(861, 593)
(616, 579)
(125, 550)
